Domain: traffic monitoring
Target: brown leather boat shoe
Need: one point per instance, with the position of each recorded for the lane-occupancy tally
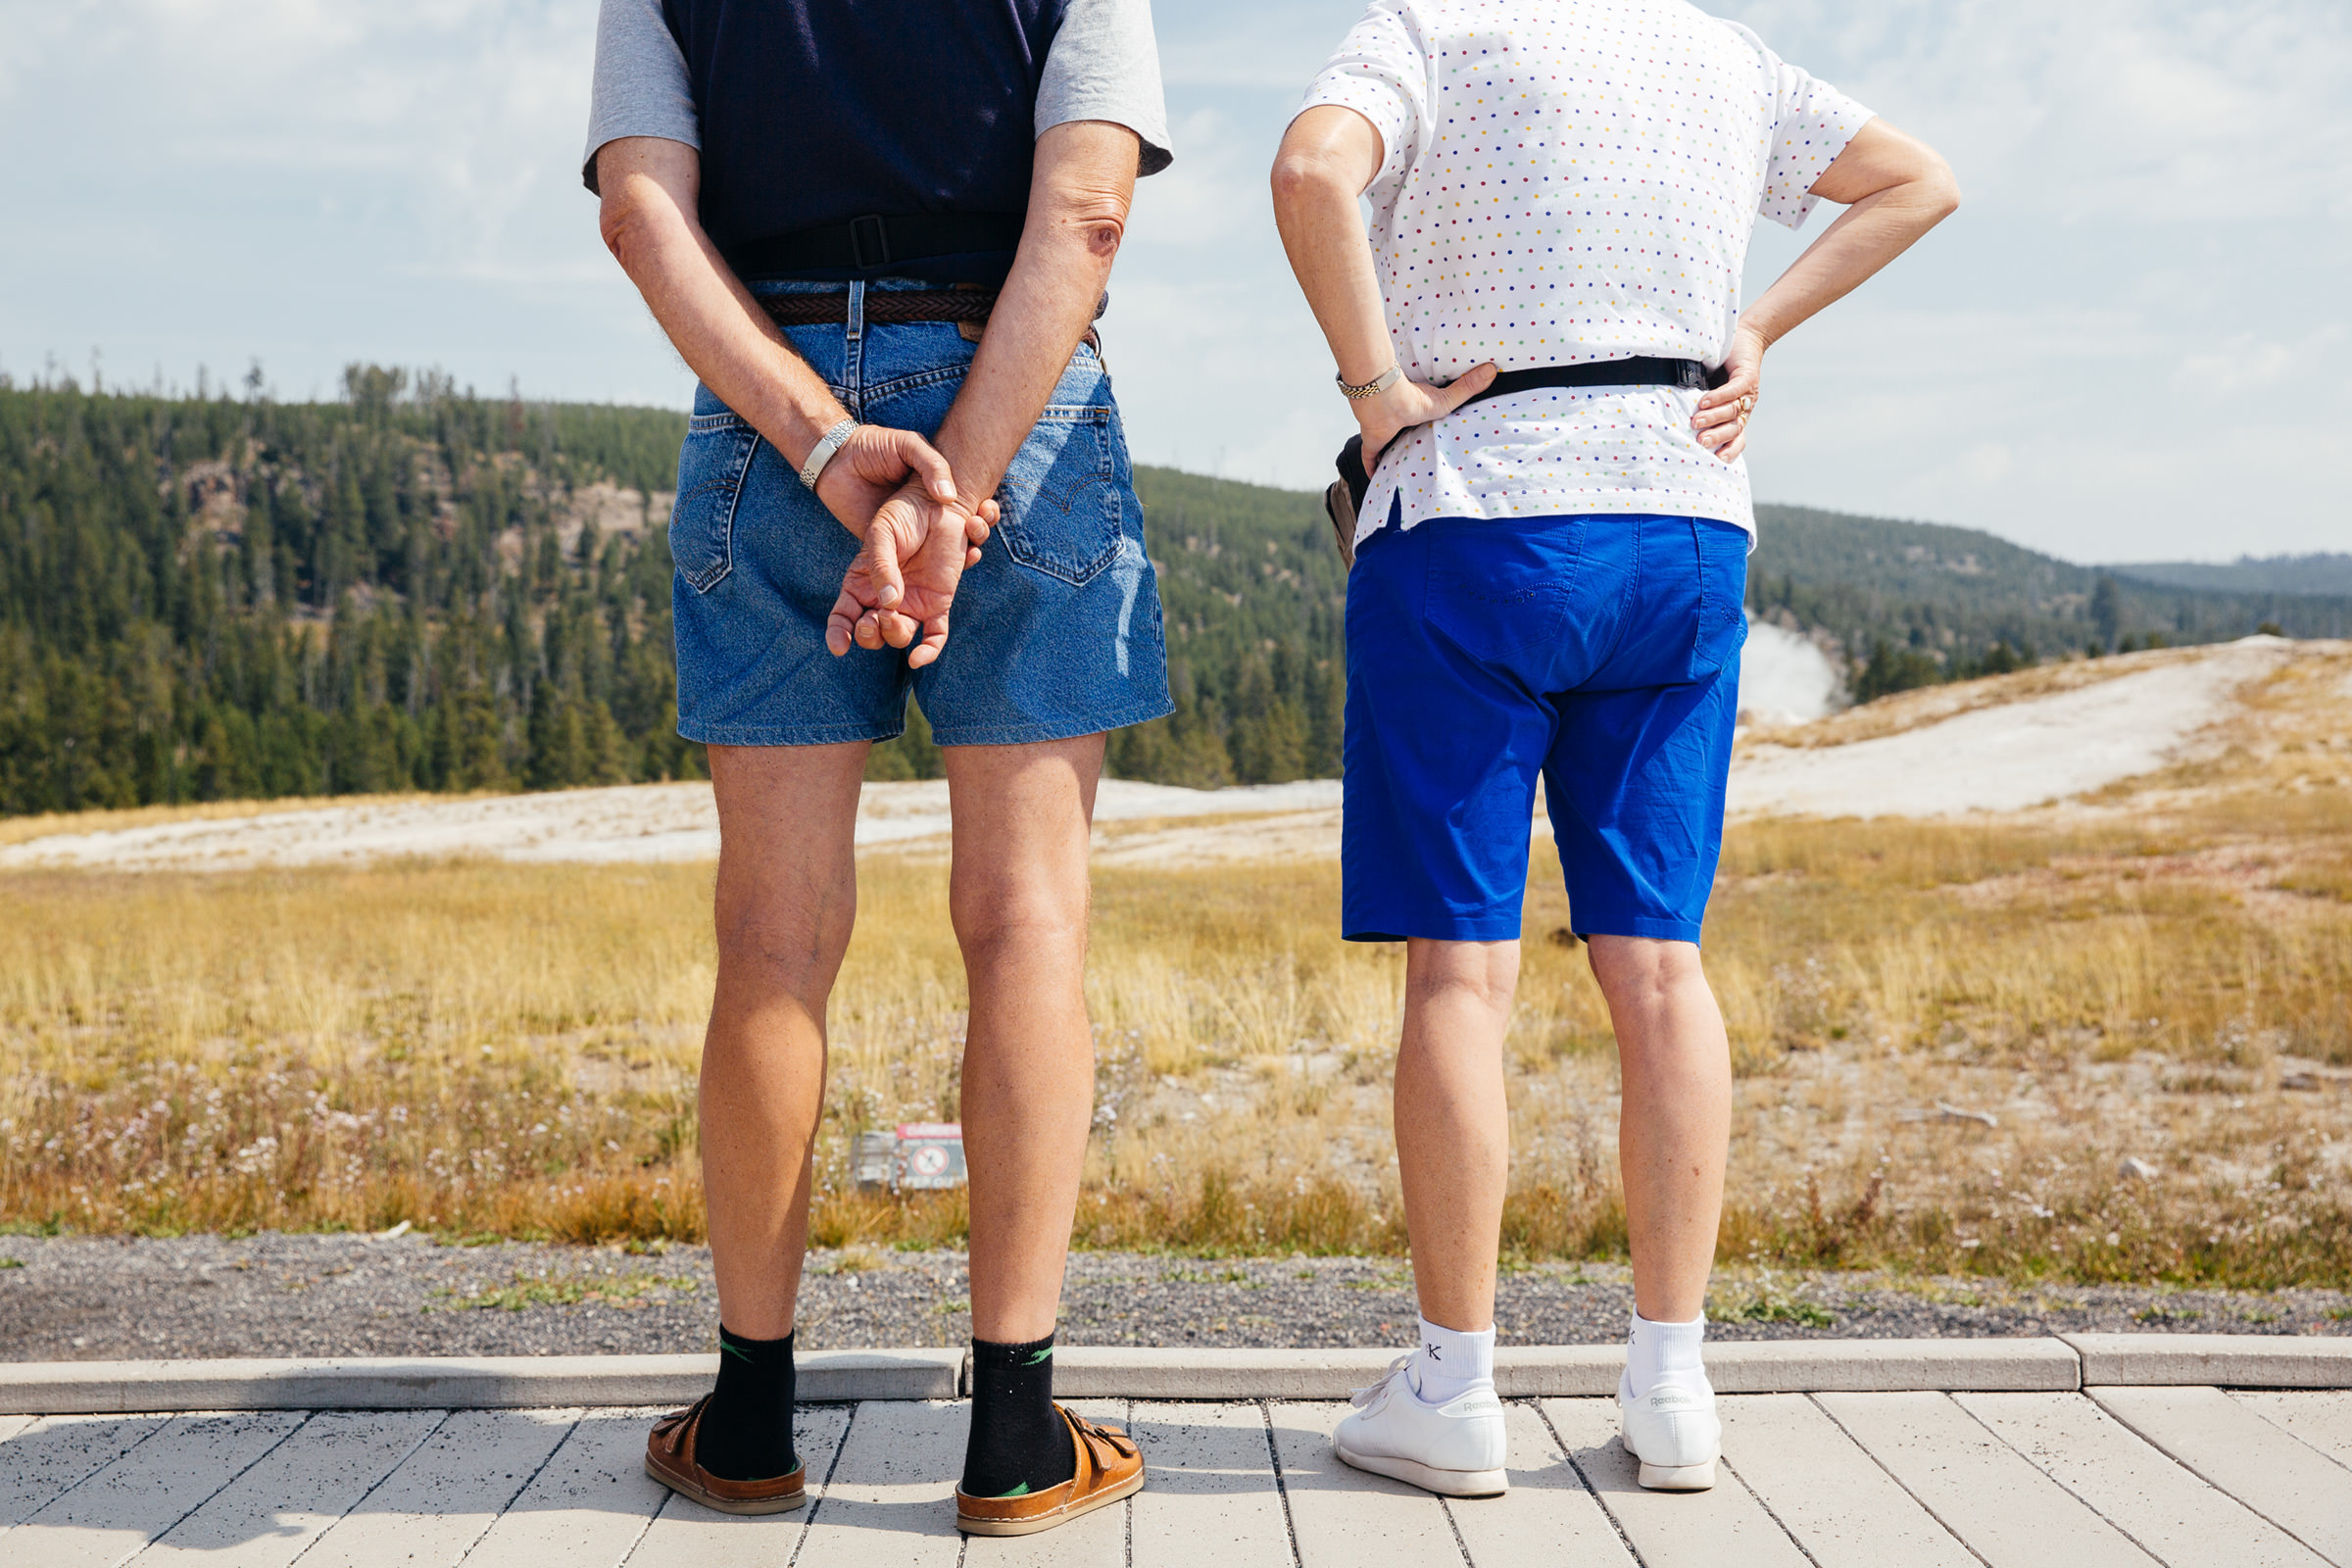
(669, 1460)
(1109, 1467)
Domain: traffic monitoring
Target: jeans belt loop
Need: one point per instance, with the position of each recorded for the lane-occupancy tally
(856, 309)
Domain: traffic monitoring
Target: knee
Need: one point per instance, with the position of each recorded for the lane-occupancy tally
(1012, 919)
(769, 951)
(1643, 974)
(1482, 974)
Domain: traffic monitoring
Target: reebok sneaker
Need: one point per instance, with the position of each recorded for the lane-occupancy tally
(1456, 1449)
(1674, 1432)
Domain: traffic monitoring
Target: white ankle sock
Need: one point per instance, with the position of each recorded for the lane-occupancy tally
(1450, 1362)
(1664, 1352)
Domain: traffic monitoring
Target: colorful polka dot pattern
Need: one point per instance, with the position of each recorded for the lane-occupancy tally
(1570, 180)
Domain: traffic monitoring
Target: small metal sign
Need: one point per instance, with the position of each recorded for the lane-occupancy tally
(930, 1155)
(916, 1155)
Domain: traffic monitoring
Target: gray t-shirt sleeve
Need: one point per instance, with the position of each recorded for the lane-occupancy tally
(642, 88)
(1104, 64)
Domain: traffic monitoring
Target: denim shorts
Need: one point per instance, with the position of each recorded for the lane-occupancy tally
(1599, 652)
(1057, 629)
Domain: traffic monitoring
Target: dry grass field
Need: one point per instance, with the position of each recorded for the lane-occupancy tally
(2110, 1041)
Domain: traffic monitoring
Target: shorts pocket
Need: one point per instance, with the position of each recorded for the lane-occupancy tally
(702, 520)
(1722, 595)
(1495, 590)
(1060, 497)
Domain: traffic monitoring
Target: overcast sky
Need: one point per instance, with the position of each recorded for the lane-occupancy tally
(2128, 344)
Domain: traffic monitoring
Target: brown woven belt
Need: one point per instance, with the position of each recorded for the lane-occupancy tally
(893, 307)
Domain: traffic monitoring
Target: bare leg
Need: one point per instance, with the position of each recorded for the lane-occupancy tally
(1675, 1133)
(1018, 894)
(1452, 1125)
(787, 896)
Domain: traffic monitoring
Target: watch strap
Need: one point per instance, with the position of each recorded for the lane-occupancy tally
(1372, 388)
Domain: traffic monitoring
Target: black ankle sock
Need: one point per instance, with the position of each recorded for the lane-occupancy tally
(746, 1432)
(1019, 1445)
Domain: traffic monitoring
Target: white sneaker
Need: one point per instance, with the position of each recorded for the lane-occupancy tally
(1674, 1432)
(1456, 1449)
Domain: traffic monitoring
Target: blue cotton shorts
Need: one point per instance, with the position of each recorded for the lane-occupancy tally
(1057, 630)
(1601, 653)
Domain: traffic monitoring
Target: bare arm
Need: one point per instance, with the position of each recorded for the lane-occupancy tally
(1329, 155)
(1079, 193)
(1895, 189)
(651, 194)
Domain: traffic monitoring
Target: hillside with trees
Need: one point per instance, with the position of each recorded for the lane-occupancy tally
(1912, 604)
(418, 588)
(2300, 575)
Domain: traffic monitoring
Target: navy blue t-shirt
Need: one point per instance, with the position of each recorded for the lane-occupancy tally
(816, 112)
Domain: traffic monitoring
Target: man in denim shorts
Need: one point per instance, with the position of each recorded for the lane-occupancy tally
(880, 236)
(1542, 341)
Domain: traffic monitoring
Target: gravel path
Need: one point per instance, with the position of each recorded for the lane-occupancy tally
(76, 1298)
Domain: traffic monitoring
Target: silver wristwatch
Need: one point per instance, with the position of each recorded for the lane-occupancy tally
(822, 452)
(1372, 388)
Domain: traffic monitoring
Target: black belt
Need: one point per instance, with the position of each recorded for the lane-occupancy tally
(1346, 499)
(877, 243)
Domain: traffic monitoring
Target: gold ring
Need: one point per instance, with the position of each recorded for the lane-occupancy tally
(1747, 405)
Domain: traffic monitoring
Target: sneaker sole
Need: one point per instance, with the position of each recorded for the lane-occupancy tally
(1444, 1483)
(1030, 1526)
(1678, 1477)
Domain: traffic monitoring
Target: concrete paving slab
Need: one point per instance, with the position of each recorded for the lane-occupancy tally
(687, 1535)
(2221, 1360)
(2287, 1481)
(1991, 1496)
(271, 1514)
(40, 1462)
(588, 1504)
(2174, 1516)
(1101, 1372)
(1571, 1371)
(1726, 1525)
(2322, 1419)
(1556, 1371)
(117, 1512)
(892, 1496)
(11, 1425)
(1344, 1518)
(450, 1383)
(1210, 1500)
(1842, 1509)
(1098, 1539)
(447, 1494)
(1862, 1366)
(1549, 1515)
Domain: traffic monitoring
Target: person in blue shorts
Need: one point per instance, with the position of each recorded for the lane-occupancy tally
(1552, 376)
(880, 235)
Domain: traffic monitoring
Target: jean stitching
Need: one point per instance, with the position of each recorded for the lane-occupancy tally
(882, 390)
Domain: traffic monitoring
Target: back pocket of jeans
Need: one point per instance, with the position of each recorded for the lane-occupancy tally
(1060, 497)
(702, 520)
(1495, 590)
(1722, 595)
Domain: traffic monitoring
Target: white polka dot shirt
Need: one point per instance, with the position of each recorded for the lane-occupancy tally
(1571, 180)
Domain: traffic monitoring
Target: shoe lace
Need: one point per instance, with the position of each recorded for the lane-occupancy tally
(1364, 1396)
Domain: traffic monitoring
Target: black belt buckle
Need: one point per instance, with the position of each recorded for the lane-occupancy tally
(869, 243)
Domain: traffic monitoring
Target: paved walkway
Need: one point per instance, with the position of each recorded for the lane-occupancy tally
(2113, 1476)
